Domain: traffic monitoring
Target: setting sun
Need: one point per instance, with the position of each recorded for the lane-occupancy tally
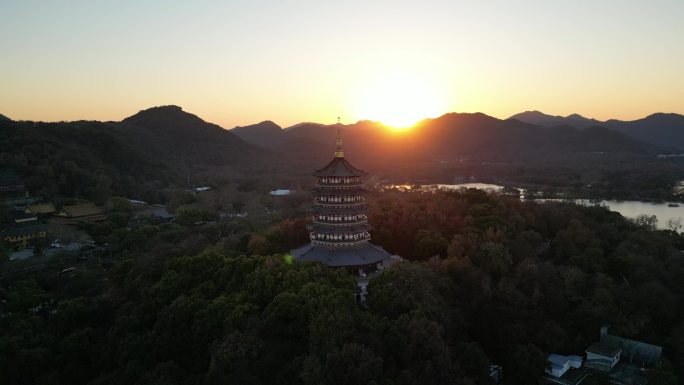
(399, 100)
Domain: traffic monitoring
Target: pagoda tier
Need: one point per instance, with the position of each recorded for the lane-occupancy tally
(340, 231)
(338, 190)
(328, 229)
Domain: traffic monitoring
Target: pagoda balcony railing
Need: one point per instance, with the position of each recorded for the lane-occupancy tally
(339, 223)
(339, 184)
(360, 237)
(361, 201)
(343, 205)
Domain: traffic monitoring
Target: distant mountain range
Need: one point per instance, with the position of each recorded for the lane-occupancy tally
(661, 129)
(449, 137)
(167, 146)
(542, 119)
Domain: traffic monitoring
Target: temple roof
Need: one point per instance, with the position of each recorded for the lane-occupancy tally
(339, 166)
(364, 254)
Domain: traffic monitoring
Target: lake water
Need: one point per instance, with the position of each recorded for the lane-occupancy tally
(632, 209)
(429, 187)
(628, 209)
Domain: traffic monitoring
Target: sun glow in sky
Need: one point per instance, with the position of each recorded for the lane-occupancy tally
(242, 62)
(399, 99)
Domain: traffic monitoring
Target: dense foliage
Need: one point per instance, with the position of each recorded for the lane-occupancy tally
(487, 279)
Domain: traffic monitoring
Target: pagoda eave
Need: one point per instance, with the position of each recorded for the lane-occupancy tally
(362, 255)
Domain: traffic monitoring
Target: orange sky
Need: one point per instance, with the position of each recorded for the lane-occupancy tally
(292, 61)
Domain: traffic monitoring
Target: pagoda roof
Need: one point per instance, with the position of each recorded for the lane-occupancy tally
(364, 254)
(339, 166)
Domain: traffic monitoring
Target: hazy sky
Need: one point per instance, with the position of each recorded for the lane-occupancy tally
(237, 63)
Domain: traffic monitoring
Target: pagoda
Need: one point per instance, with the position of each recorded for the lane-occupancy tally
(340, 231)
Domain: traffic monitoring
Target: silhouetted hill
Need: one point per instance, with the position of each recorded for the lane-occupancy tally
(662, 129)
(3, 117)
(484, 137)
(139, 156)
(262, 134)
(601, 140)
(541, 119)
(189, 138)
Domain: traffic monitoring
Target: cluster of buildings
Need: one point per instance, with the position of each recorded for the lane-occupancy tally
(31, 224)
(34, 222)
(622, 360)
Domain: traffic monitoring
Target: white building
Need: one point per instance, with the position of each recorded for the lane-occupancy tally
(559, 364)
(280, 192)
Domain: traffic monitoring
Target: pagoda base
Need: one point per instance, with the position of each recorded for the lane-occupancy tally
(359, 256)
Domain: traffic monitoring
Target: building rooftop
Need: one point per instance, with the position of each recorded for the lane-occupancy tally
(557, 359)
(637, 350)
(21, 216)
(280, 192)
(81, 210)
(41, 208)
(604, 349)
(364, 254)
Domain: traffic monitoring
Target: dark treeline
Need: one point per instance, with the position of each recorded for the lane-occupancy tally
(486, 279)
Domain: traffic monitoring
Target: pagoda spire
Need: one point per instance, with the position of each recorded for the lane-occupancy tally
(339, 153)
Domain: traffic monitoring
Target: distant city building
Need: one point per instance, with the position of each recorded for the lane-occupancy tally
(340, 231)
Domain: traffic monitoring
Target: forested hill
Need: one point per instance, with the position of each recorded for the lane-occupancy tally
(265, 133)
(148, 151)
(485, 279)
